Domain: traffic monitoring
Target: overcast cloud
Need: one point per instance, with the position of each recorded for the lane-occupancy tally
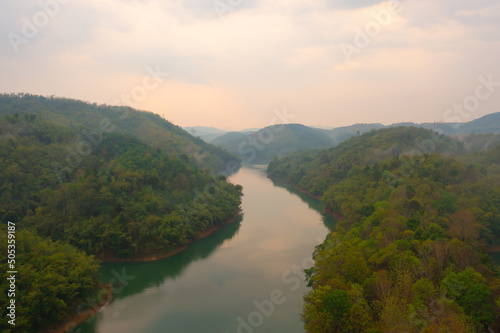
(230, 62)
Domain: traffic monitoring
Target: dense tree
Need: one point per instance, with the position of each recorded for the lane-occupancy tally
(148, 127)
(412, 233)
(125, 197)
(118, 197)
(52, 280)
(469, 290)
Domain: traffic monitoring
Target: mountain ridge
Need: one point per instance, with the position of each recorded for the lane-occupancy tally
(234, 142)
(149, 127)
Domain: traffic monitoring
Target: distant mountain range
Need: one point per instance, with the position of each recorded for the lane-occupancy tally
(486, 124)
(209, 134)
(341, 134)
(263, 145)
(276, 141)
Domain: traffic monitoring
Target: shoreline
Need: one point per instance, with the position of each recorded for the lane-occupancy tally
(336, 215)
(489, 249)
(79, 318)
(158, 256)
(297, 188)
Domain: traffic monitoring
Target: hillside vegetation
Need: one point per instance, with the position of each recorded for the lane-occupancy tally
(125, 197)
(146, 126)
(408, 255)
(52, 280)
(277, 141)
(487, 124)
(316, 170)
(116, 198)
(273, 141)
(340, 134)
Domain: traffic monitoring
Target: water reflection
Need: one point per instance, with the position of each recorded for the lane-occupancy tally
(154, 273)
(328, 220)
(137, 277)
(215, 282)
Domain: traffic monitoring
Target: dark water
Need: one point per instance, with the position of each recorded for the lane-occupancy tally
(246, 277)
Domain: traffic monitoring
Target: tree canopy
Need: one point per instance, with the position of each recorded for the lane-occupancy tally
(410, 248)
(75, 193)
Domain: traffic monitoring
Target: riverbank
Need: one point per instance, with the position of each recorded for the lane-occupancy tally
(82, 316)
(111, 258)
(298, 189)
(219, 274)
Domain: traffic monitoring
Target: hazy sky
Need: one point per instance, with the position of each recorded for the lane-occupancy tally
(230, 63)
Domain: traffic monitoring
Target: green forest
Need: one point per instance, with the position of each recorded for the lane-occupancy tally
(53, 281)
(276, 140)
(148, 127)
(417, 212)
(77, 194)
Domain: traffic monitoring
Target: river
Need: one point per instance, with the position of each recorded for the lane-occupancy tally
(246, 277)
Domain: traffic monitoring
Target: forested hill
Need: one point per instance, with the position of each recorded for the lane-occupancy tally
(273, 141)
(119, 197)
(124, 196)
(487, 124)
(146, 126)
(409, 254)
(315, 170)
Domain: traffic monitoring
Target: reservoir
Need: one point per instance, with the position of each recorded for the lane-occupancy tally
(245, 277)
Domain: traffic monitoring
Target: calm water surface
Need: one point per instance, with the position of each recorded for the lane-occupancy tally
(246, 277)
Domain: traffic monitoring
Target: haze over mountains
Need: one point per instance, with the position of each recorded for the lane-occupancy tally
(146, 126)
(84, 180)
(276, 141)
(209, 134)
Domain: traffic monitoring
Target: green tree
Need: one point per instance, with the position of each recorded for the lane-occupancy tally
(469, 290)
